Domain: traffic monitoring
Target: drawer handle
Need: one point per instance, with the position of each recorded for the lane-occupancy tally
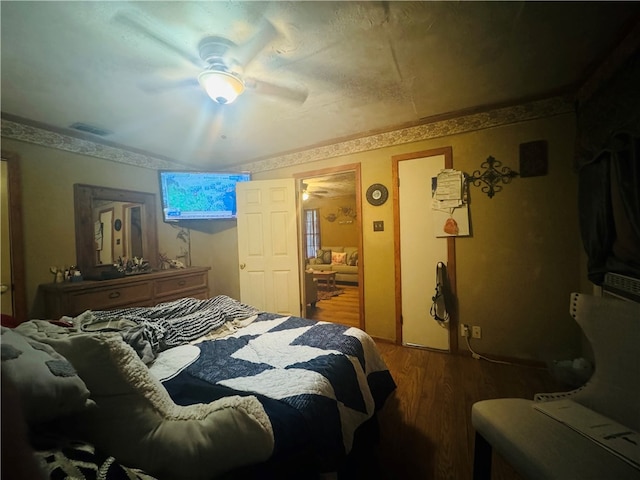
(114, 295)
(182, 282)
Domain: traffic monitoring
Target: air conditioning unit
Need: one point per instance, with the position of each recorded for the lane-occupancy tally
(621, 286)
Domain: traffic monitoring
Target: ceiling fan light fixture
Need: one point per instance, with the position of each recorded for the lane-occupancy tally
(222, 87)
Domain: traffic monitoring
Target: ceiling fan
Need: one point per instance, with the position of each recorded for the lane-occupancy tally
(222, 62)
(307, 193)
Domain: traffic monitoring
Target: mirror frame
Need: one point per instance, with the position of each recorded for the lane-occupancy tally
(83, 196)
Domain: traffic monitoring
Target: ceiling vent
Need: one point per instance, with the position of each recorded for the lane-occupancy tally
(85, 127)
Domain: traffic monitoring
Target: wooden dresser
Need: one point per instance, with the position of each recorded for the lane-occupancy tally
(144, 290)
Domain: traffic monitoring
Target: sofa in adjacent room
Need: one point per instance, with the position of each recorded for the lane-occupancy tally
(339, 259)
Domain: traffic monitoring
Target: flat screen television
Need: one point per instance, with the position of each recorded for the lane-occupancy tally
(188, 195)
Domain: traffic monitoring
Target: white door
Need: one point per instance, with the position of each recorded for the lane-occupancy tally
(420, 252)
(268, 245)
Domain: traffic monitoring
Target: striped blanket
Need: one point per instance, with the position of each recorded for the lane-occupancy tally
(150, 330)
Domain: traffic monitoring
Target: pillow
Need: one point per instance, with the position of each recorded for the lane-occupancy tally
(338, 258)
(323, 255)
(137, 422)
(353, 259)
(47, 383)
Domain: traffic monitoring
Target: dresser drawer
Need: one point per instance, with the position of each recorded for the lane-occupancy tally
(73, 298)
(139, 294)
(172, 286)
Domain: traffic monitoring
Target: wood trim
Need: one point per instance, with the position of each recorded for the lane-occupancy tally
(451, 245)
(83, 200)
(16, 235)
(354, 167)
(113, 216)
(395, 194)
(521, 362)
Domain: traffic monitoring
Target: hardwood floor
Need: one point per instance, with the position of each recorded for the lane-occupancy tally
(425, 426)
(343, 308)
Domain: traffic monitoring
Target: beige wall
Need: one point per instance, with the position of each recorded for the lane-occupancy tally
(343, 230)
(48, 176)
(514, 274)
(516, 271)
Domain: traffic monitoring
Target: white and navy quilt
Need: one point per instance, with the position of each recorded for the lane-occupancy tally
(317, 381)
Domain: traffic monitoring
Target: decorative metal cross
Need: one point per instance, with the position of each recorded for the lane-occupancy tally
(492, 176)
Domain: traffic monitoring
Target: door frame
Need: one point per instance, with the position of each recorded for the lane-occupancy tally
(351, 167)
(447, 152)
(19, 297)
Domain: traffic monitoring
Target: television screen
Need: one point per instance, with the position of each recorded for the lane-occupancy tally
(190, 195)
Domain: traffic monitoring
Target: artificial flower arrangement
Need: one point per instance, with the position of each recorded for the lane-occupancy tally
(132, 266)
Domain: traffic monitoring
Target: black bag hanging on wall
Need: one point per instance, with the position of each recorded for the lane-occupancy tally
(439, 306)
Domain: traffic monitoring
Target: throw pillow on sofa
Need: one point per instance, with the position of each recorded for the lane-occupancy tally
(338, 258)
(353, 259)
(324, 256)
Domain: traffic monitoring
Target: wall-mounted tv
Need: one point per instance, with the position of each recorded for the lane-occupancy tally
(188, 195)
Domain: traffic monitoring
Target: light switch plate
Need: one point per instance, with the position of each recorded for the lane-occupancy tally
(378, 226)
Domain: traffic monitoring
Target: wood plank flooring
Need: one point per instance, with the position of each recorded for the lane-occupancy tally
(425, 426)
(343, 308)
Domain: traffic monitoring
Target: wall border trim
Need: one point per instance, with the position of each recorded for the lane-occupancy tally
(436, 129)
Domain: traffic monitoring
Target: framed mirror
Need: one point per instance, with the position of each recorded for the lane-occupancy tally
(98, 210)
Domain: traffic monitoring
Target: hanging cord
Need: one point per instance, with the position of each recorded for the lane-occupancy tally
(439, 306)
(477, 356)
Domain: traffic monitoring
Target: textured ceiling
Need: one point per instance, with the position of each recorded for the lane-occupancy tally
(367, 67)
(339, 184)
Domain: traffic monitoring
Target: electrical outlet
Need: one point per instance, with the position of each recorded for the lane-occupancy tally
(476, 332)
(464, 330)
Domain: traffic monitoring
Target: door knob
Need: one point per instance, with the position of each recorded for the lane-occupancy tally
(4, 288)
(242, 266)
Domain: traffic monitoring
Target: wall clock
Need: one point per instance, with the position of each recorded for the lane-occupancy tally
(377, 194)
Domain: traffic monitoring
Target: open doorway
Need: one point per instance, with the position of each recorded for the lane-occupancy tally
(14, 300)
(331, 245)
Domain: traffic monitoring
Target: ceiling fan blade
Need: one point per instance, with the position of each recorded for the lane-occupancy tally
(293, 94)
(163, 86)
(129, 19)
(243, 54)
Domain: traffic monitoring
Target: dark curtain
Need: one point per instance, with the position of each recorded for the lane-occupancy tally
(609, 204)
(608, 165)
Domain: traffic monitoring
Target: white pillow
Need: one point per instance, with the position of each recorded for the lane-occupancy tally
(338, 258)
(48, 385)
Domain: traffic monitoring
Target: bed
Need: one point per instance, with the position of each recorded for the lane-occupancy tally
(202, 389)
